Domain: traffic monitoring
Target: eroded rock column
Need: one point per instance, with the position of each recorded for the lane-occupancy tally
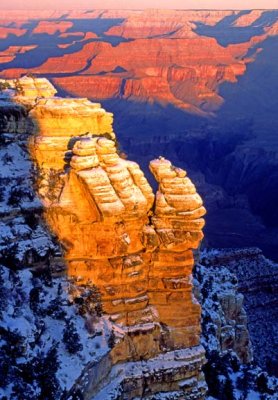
(178, 224)
(136, 248)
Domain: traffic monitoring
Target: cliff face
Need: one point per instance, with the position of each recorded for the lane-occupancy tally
(35, 308)
(223, 313)
(154, 70)
(20, 208)
(99, 205)
(154, 23)
(134, 247)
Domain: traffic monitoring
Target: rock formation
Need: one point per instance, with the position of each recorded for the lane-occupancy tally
(257, 282)
(223, 315)
(249, 18)
(41, 328)
(231, 371)
(52, 27)
(136, 248)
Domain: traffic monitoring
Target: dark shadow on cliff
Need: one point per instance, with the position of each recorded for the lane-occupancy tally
(25, 240)
(48, 44)
(226, 33)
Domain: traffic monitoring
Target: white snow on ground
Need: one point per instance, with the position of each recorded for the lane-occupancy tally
(21, 319)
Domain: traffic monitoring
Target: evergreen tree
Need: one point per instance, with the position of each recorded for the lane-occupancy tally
(262, 383)
(71, 338)
(40, 372)
(34, 300)
(228, 390)
(112, 340)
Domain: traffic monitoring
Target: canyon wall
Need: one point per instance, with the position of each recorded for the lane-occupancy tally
(150, 56)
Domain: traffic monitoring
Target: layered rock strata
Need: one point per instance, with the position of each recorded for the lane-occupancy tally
(153, 56)
(136, 248)
(99, 210)
(35, 304)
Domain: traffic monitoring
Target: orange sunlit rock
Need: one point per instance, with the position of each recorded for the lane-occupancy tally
(134, 246)
(248, 19)
(5, 32)
(52, 27)
(154, 23)
(11, 52)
